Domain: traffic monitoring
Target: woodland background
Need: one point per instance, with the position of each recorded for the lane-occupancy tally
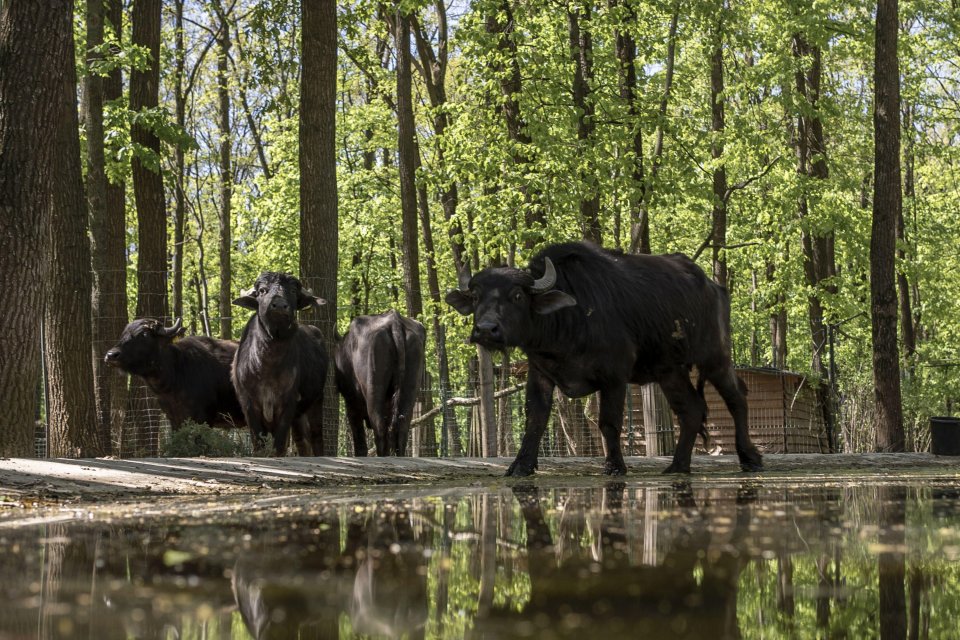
(802, 151)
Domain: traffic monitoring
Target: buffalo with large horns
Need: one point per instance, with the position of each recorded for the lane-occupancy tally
(189, 376)
(591, 319)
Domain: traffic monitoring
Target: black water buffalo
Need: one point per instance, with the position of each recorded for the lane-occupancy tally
(378, 367)
(280, 366)
(189, 376)
(591, 319)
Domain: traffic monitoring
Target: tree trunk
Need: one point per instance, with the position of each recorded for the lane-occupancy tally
(226, 173)
(71, 407)
(818, 258)
(434, 65)
(719, 214)
(35, 37)
(110, 239)
(407, 162)
(179, 198)
(147, 181)
(500, 22)
(318, 184)
(108, 296)
(581, 52)
(907, 330)
(886, 208)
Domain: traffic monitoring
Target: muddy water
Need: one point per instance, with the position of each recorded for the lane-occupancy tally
(580, 559)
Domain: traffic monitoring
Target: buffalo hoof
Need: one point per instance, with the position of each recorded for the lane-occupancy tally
(751, 461)
(520, 469)
(677, 468)
(614, 469)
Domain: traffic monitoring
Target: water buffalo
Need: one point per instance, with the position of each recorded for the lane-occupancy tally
(591, 319)
(378, 367)
(280, 367)
(189, 376)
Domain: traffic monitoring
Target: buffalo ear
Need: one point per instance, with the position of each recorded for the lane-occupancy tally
(247, 302)
(306, 299)
(461, 301)
(552, 300)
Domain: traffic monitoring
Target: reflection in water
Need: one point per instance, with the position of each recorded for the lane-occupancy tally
(691, 594)
(625, 559)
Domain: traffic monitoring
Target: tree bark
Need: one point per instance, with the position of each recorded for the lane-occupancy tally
(147, 181)
(179, 197)
(34, 38)
(434, 67)
(818, 256)
(110, 238)
(907, 329)
(318, 184)
(407, 161)
(510, 86)
(581, 52)
(226, 173)
(887, 205)
(108, 296)
(719, 214)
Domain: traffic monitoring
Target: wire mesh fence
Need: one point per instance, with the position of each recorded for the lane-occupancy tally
(783, 413)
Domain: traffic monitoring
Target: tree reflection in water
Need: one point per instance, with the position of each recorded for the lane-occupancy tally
(692, 594)
(628, 559)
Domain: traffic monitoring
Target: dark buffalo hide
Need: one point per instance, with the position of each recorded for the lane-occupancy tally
(189, 376)
(591, 319)
(379, 363)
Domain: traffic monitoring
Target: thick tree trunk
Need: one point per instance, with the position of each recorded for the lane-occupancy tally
(148, 183)
(110, 240)
(318, 184)
(108, 300)
(886, 208)
(226, 174)
(71, 407)
(407, 162)
(35, 37)
(581, 52)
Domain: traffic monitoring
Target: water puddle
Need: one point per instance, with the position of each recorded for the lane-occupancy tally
(586, 559)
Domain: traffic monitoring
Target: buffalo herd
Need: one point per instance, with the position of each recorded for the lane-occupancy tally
(588, 320)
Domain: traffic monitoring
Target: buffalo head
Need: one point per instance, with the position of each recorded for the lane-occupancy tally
(140, 344)
(504, 301)
(276, 297)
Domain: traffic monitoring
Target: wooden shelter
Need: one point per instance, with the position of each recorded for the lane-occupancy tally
(784, 417)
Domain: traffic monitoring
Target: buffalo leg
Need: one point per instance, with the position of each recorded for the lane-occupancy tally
(314, 428)
(379, 415)
(301, 432)
(733, 392)
(691, 412)
(257, 431)
(611, 423)
(538, 403)
(358, 429)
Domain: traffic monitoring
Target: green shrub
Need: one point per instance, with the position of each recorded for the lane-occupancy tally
(194, 439)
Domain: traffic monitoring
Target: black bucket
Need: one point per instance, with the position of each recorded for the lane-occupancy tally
(945, 436)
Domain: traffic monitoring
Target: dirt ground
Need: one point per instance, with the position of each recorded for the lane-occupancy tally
(24, 481)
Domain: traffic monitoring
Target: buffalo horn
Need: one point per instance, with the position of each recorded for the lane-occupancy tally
(549, 278)
(174, 330)
(463, 277)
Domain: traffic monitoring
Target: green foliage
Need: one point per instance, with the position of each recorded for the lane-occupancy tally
(500, 182)
(192, 440)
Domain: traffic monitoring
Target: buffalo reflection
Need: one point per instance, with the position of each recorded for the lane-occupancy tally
(691, 594)
(379, 579)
